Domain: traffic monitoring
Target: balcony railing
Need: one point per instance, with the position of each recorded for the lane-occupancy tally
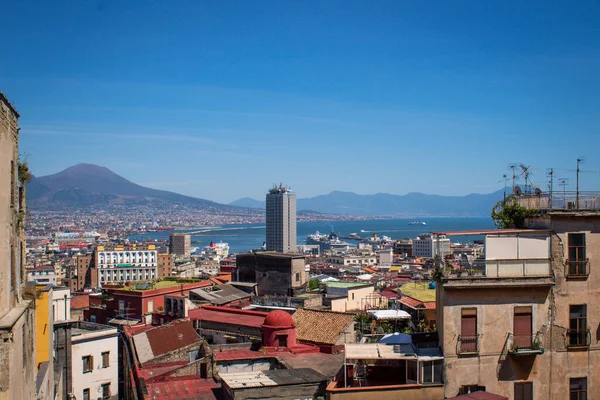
(578, 338)
(567, 200)
(526, 344)
(467, 345)
(577, 269)
(508, 268)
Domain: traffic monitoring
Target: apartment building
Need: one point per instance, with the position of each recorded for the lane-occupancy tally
(94, 366)
(281, 220)
(126, 263)
(17, 308)
(180, 244)
(427, 246)
(523, 322)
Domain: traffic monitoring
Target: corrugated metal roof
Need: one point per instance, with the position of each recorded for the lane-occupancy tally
(410, 302)
(430, 305)
(252, 319)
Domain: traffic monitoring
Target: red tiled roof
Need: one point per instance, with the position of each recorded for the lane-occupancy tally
(166, 338)
(430, 305)
(181, 388)
(320, 327)
(80, 301)
(409, 301)
(226, 315)
(390, 294)
(241, 354)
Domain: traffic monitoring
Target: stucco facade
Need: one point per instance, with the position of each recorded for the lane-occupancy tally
(100, 344)
(526, 286)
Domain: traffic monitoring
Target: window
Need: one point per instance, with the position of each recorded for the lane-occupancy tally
(432, 371)
(577, 255)
(105, 390)
(92, 317)
(578, 389)
(578, 332)
(523, 390)
(468, 331)
(471, 389)
(86, 394)
(352, 296)
(282, 339)
(105, 359)
(87, 363)
(522, 328)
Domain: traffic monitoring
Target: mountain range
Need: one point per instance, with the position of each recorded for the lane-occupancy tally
(91, 185)
(383, 204)
(85, 185)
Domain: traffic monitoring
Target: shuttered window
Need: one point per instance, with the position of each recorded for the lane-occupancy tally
(523, 390)
(522, 327)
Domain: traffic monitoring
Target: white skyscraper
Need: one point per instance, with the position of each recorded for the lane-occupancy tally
(281, 220)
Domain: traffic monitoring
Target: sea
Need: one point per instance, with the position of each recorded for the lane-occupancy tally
(243, 238)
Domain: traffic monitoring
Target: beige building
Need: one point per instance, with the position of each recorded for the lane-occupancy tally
(180, 244)
(17, 308)
(350, 296)
(523, 323)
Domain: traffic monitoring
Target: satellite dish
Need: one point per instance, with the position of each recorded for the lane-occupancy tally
(517, 191)
(538, 191)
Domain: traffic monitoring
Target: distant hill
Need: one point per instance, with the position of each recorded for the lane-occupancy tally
(88, 184)
(383, 204)
(248, 202)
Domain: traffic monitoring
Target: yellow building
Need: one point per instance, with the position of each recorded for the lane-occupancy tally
(44, 329)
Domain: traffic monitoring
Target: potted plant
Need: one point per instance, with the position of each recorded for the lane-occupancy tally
(537, 344)
(515, 348)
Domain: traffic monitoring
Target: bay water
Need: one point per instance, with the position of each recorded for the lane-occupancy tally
(242, 238)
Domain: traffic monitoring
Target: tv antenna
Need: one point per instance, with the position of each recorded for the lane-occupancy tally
(564, 182)
(505, 179)
(525, 173)
(580, 160)
(550, 173)
(514, 176)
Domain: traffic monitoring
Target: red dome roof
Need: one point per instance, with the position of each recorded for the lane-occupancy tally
(279, 319)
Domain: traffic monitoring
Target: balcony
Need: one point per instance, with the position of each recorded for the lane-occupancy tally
(567, 200)
(467, 345)
(525, 345)
(578, 339)
(579, 269)
(500, 273)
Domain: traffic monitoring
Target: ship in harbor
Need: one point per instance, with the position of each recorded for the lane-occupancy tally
(327, 242)
(417, 223)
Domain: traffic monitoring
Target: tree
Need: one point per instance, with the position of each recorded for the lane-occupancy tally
(507, 214)
(313, 284)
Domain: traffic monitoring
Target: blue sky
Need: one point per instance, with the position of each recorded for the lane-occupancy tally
(221, 99)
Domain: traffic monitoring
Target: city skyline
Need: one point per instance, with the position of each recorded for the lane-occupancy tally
(355, 90)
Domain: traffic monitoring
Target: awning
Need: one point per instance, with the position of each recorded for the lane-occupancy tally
(389, 314)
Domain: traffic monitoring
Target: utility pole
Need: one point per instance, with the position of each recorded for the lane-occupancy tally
(564, 182)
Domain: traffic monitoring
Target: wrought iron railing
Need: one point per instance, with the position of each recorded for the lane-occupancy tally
(577, 268)
(467, 344)
(578, 338)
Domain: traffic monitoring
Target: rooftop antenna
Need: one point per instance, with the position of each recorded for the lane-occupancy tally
(550, 173)
(580, 160)
(525, 173)
(564, 182)
(505, 179)
(514, 176)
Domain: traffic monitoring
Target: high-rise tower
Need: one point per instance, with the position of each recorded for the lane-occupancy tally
(281, 220)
